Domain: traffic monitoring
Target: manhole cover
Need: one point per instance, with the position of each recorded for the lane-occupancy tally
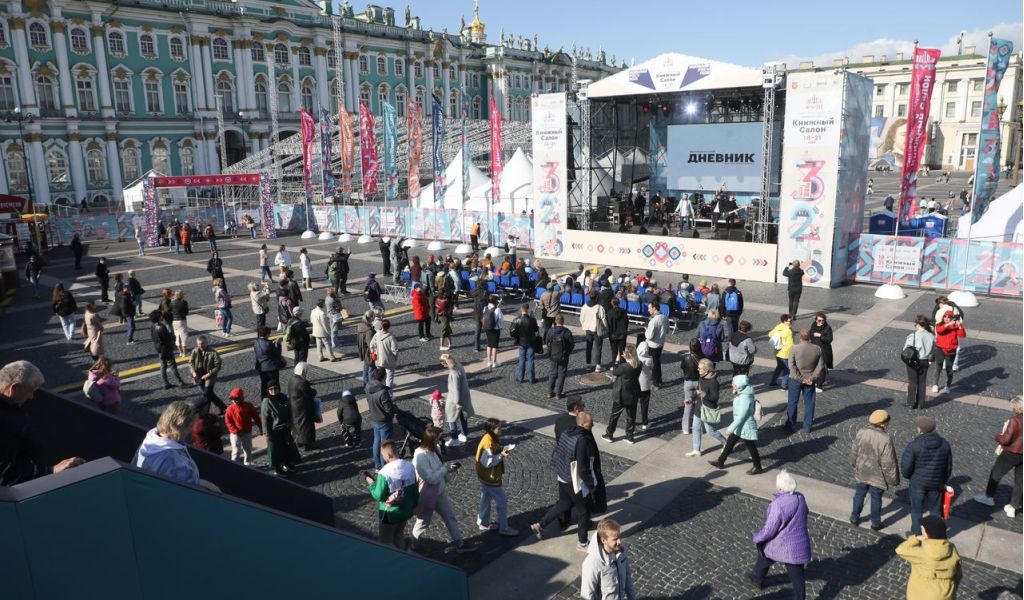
(595, 379)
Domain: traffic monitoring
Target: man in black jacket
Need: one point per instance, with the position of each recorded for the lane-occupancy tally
(385, 255)
(78, 250)
(103, 276)
(732, 302)
(382, 412)
(524, 331)
(618, 330)
(573, 445)
(478, 296)
(268, 359)
(927, 463)
(163, 342)
(297, 335)
(574, 405)
(560, 342)
(795, 286)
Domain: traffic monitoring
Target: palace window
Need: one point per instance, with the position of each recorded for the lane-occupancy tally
(161, 160)
(304, 57)
(45, 93)
(399, 67)
(257, 53)
(187, 161)
(382, 65)
(227, 94)
(262, 104)
(281, 54)
(57, 168)
(6, 92)
(122, 96)
(37, 37)
(177, 48)
(364, 65)
(130, 163)
(79, 40)
(115, 43)
(307, 96)
(284, 97)
(146, 46)
(181, 96)
(219, 47)
(400, 99)
(95, 167)
(332, 59)
(86, 94)
(16, 174)
(417, 70)
(154, 99)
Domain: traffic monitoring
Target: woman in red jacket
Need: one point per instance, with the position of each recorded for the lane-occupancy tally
(421, 311)
(947, 338)
(1009, 451)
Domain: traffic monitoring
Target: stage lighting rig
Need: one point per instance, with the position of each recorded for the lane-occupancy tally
(691, 108)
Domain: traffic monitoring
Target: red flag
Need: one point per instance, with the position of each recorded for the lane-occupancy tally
(496, 165)
(414, 142)
(368, 150)
(308, 129)
(922, 80)
(347, 142)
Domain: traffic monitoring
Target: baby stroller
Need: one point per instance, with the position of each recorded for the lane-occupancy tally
(414, 428)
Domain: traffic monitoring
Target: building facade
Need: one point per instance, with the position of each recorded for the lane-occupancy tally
(956, 104)
(94, 94)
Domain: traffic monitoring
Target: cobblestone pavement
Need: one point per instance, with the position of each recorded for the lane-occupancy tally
(690, 551)
(996, 315)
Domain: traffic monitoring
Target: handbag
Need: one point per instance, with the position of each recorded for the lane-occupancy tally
(758, 413)
(92, 391)
(710, 415)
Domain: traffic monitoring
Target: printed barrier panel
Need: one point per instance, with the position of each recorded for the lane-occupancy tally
(712, 258)
(934, 263)
(852, 180)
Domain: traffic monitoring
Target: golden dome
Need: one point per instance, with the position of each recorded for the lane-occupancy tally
(476, 26)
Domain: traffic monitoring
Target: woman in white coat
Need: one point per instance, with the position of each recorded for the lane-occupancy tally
(646, 367)
(433, 476)
(307, 269)
(457, 405)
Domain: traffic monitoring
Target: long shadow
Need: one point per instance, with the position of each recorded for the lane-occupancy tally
(793, 452)
(866, 561)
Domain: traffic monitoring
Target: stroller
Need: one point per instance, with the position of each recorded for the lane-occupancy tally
(414, 428)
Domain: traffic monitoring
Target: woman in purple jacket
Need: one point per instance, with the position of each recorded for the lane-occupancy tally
(784, 538)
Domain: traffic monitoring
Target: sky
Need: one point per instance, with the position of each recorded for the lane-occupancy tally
(744, 32)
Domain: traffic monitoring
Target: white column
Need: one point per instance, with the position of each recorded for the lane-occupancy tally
(213, 159)
(296, 81)
(254, 141)
(429, 74)
(26, 88)
(195, 61)
(99, 50)
(200, 149)
(410, 74)
(77, 160)
(445, 81)
(242, 82)
(60, 45)
(534, 81)
(4, 189)
(37, 166)
(250, 74)
(352, 84)
(323, 82)
(114, 163)
(208, 80)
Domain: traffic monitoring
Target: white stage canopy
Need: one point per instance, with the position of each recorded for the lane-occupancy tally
(453, 191)
(516, 187)
(1002, 222)
(671, 72)
(132, 193)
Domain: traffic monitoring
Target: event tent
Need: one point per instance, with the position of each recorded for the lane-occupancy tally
(516, 187)
(671, 72)
(133, 199)
(453, 190)
(1002, 222)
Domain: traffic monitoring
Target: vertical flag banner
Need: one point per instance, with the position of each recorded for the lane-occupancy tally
(466, 158)
(326, 154)
(390, 151)
(150, 210)
(437, 120)
(414, 143)
(550, 144)
(266, 207)
(346, 142)
(989, 142)
(368, 150)
(308, 129)
(496, 165)
(922, 81)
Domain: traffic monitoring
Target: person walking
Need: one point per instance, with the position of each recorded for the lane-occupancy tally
(397, 494)
(922, 340)
(935, 567)
(821, 336)
(64, 307)
(458, 404)
(1009, 458)
(179, 322)
(322, 331)
(625, 394)
(268, 359)
(215, 266)
(283, 259)
(574, 488)
(805, 366)
(305, 416)
(174, 237)
(296, 336)
(942, 304)
(618, 330)
(421, 311)
(643, 354)
(474, 237)
(384, 351)
(163, 342)
(223, 301)
(490, 468)
(655, 336)
(478, 297)
(103, 277)
(491, 322)
(595, 327)
(947, 340)
(92, 331)
(33, 273)
(732, 302)
(372, 292)
(927, 463)
(276, 417)
(364, 334)
(743, 426)
(560, 343)
(382, 412)
(137, 292)
(691, 376)
(239, 419)
(186, 238)
(794, 286)
(525, 333)
(875, 468)
(105, 378)
(741, 349)
(706, 410)
(140, 240)
(306, 267)
(606, 574)
(265, 264)
(259, 300)
(433, 476)
(205, 364)
(350, 419)
(210, 233)
(712, 335)
(784, 538)
(78, 250)
(127, 306)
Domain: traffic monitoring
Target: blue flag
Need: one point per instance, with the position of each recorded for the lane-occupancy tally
(390, 151)
(325, 161)
(437, 120)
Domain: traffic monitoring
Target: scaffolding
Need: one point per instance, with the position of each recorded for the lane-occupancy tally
(770, 80)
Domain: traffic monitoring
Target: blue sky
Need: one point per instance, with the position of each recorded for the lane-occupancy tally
(745, 32)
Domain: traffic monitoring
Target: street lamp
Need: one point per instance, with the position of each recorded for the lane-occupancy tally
(20, 117)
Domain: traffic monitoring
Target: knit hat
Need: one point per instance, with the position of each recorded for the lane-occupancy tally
(237, 394)
(879, 417)
(925, 424)
(934, 526)
(436, 395)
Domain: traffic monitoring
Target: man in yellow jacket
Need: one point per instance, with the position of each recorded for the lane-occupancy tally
(934, 562)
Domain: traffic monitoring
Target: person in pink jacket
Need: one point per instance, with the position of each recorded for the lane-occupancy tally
(109, 384)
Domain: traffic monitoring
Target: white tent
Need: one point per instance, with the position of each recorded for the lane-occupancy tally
(133, 198)
(671, 72)
(626, 167)
(1002, 222)
(516, 187)
(453, 191)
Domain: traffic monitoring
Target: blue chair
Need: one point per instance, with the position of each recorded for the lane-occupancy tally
(534, 276)
(492, 288)
(538, 293)
(406, 276)
(666, 310)
(514, 282)
(633, 307)
(503, 281)
(472, 284)
(565, 298)
(586, 298)
(698, 296)
(576, 300)
(464, 275)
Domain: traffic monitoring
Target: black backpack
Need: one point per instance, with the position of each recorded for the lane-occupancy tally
(487, 320)
(556, 346)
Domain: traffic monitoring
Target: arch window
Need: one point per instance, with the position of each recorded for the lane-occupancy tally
(57, 168)
(401, 98)
(7, 92)
(122, 95)
(161, 159)
(304, 56)
(177, 48)
(130, 163)
(307, 96)
(16, 174)
(364, 65)
(382, 65)
(475, 79)
(86, 92)
(417, 70)
(147, 47)
(383, 94)
(227, 93)
(436, 69)
(45, 93)
(79, 41)
(477, 108)
(420, 98)
(399, 67)
(262, 103)
(115, 43)
(364, 95)
(219, 48)
(284, 97)
(257, 53)
(95, 166)
(281, 54)
(37, 37)
(188, 163)
(451, 74)
(3, 35)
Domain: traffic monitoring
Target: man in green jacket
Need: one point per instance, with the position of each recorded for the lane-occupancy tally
(397, 495)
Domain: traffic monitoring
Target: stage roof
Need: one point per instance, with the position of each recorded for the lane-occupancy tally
(669, 73)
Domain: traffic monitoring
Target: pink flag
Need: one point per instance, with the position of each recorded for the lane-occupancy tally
(414, 141)
(308, 129)
(922, 80)
(348, 151)
(496, 165)
(368, 149)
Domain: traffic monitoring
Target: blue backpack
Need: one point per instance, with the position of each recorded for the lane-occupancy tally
(732, 301)
(709, 339)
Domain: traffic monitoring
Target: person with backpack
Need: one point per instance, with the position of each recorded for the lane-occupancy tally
(711, 334)
(560, 343)
(524, 332)
(655, 336)
(732, 299)
(491, 321)
(917, 353)
(64, 307)
(372, 292)
(781, 339)
(163, 343)
(744, 425)
(742, 349)
(618, 330)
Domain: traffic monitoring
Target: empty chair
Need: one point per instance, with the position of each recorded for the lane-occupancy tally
(514, 282)
(633, 307)
(472, 284)
(576, 300)
(565, 298)
(492, 287)
(538, 293)
(406, 276)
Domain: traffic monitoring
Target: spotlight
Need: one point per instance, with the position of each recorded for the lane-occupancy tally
(646, 108)
(691, 108)
(664, 107)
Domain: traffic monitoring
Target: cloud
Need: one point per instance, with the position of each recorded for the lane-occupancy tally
(889, 47)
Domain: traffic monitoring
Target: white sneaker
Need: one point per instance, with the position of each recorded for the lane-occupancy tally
(818, 390)
(945, 390)
(462, 438)
(935, 389)
(452, 443)
(983, 499)
(1009, 510)
(597, 369)
(693, 453)
(643, 428)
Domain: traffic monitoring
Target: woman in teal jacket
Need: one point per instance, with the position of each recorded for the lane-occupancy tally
(743, 427)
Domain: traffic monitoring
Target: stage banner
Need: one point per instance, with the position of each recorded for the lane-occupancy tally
(466, 154)
(922, 81)
(496, 164)
(266, 207)
(852, 179)
(368, 152)
(151, 212)
(347, 149)
(810, 164)
(437, 139)
(548, 112)
(414, 146)
(330, 185)
(307, 128)
(987, 167)
(390, 152)
(206, 180)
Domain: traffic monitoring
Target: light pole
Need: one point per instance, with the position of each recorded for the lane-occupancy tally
(20, 117)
